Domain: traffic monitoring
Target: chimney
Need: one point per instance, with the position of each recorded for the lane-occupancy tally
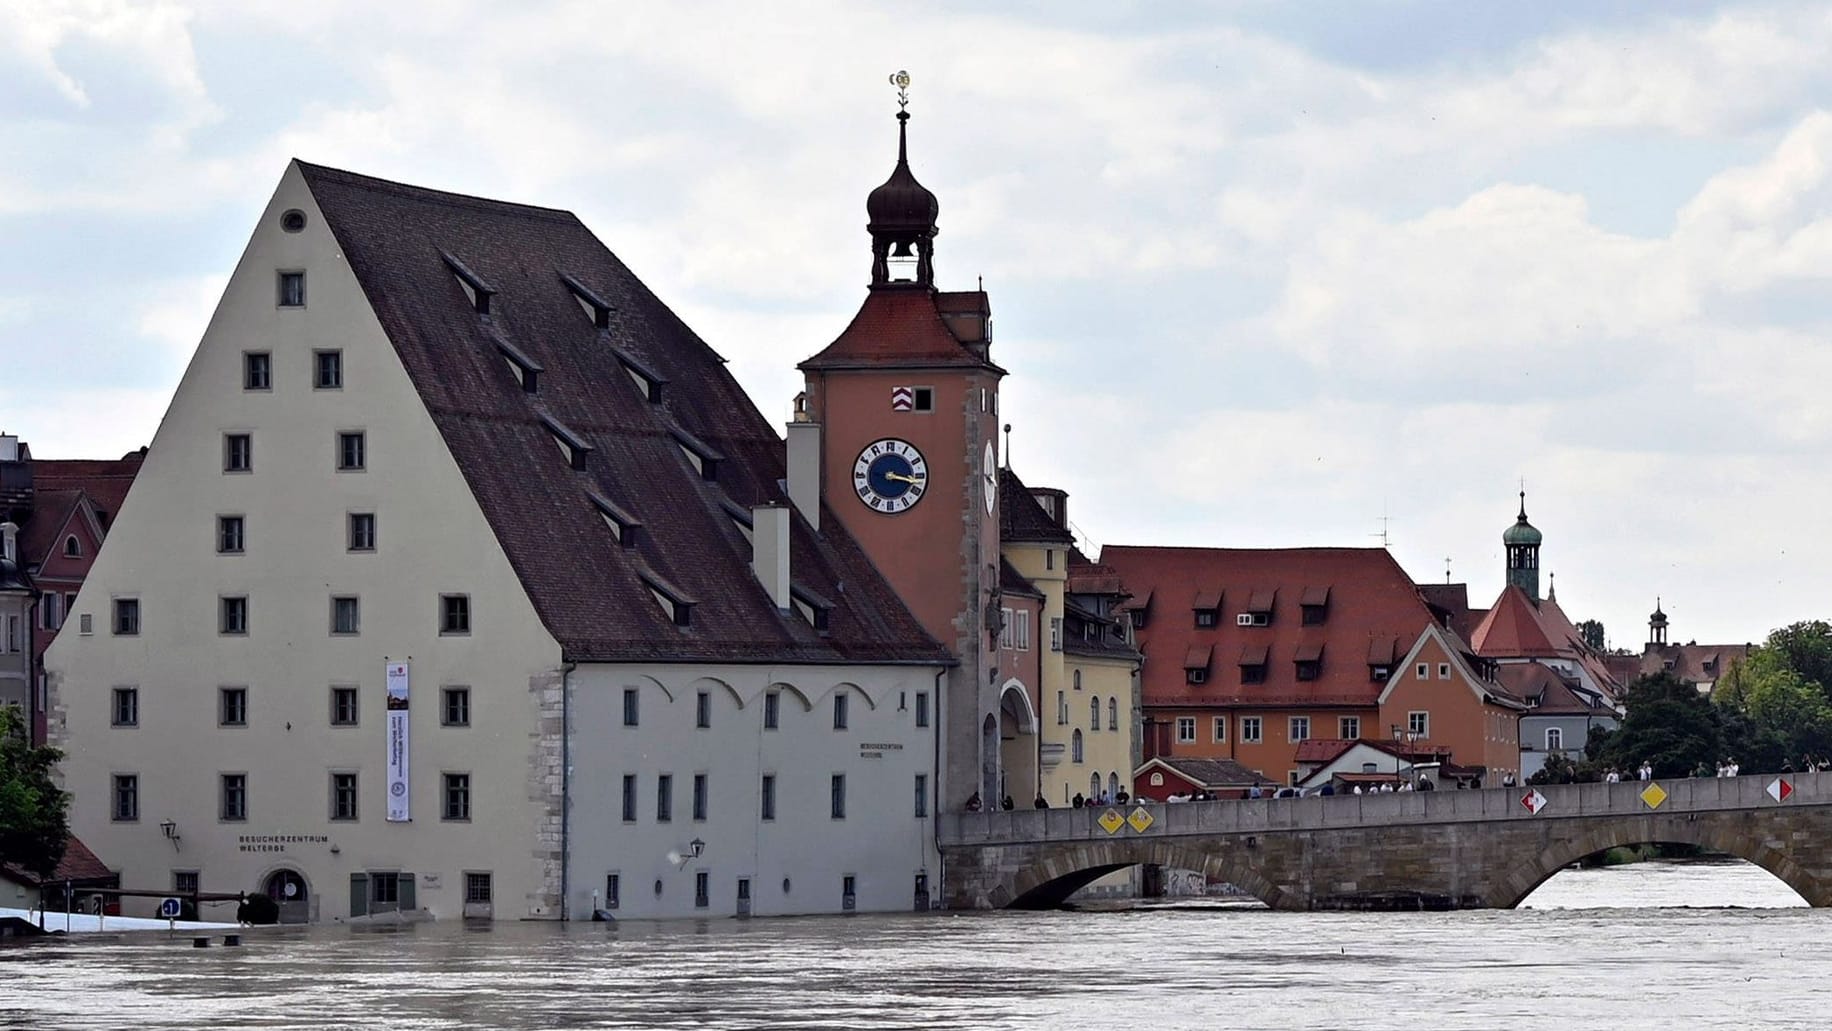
(805, 467)
(770, 550)
(9, 533)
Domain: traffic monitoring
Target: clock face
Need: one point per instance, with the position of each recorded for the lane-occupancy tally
(890, 476)
(989, 474)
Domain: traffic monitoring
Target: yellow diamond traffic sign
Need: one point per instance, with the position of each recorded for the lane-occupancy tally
(1653, 795)
(1140, 819)
(1111, 821)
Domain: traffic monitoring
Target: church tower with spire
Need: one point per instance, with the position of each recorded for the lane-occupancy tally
(896, 436)
(1522, 542)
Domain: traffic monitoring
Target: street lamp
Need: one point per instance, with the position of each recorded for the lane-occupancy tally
(169, 828)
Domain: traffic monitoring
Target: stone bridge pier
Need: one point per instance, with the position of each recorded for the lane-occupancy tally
(1426, 850)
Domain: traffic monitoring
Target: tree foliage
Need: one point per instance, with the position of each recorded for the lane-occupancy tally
(1667, 724)
(1776, 705)
(33, 812)
(1592, 633)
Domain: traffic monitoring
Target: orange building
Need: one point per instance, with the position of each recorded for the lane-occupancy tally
(1250, 652)
(1443, 695)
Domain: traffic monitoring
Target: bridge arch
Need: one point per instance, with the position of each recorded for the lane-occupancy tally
(1048, 882)
(1715, 835)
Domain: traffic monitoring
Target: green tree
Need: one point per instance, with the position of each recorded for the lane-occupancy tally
(1771, 709)
(1592, 633)
(33, 824)
(1805, 648)
(1668, 724)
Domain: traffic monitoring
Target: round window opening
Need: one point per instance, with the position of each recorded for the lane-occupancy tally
(293, 221)
(785, 885)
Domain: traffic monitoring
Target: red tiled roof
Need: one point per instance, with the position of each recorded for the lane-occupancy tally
(1087, 577)
(1513, 629)
(59, 484)
(1013, 582)
(899, 327)
(1370, 597)
(78, 865)
(590, 592)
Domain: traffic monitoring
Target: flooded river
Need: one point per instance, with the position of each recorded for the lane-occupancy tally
(1655, 945)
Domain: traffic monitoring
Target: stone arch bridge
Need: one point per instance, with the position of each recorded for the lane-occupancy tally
(1412, 850)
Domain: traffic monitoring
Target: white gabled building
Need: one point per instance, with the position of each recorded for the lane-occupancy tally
(457, 439)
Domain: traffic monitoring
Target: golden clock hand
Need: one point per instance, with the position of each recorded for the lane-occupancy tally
(899, 477)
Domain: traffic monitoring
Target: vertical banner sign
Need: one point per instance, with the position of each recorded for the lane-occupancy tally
(397, 742)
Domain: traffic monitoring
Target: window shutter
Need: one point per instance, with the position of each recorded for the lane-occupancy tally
(359, 894)
(406, 891)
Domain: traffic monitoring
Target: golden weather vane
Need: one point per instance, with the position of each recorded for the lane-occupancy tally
(901, 80)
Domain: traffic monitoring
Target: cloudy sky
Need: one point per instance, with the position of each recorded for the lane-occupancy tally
(1263, 273)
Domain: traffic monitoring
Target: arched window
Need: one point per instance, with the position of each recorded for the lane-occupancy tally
(1075, 747)
(1555, 739)
(1078, 680)
(1094, 785)
(1094, 713)
(1113, 784)
(1113, 714)
(73, 548)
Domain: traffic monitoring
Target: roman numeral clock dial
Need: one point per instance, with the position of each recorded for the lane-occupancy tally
(890, 476)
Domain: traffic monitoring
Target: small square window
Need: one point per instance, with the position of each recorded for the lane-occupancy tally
(352, 451)
(257, 370)
(292, 290)
(1443, 671)
(346, 615)
(229, 534)
(184, 882)
(455, 707)
(1419, 724)
(327, 370)
(924, 399)
(238, 452)
(478, 890)
(233, 798)
(343, 796)
(456, 795)
(232, 706)
(1349, 727)
(361, 535)
(126, 617)
(1424, 671)
(125, 807)
(233, 618)
(454, 614)
(126, 707)
(344, 711)
(1206, 617)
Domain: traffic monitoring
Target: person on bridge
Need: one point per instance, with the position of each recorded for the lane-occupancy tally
(1005, 803)
(973, 802)
(1041, 803)
(1078, 801)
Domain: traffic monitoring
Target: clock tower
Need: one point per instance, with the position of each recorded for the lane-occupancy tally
(898, 432)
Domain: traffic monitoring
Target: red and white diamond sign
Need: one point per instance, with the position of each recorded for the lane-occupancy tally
(903, 399)
(1779, 789)
(1534, 801)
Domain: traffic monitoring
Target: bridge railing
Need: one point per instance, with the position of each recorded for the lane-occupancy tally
(1248, 816)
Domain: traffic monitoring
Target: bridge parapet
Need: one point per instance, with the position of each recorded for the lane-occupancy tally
(1252, 816)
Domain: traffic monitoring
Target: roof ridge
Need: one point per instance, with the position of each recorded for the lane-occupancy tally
(370, 182)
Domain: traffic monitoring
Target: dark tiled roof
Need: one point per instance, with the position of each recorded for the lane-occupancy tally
(902, 327)
(1021, 519)
(1550, 693)
(59, 485)
(592, 594)
(1451, 601)
(1210, 773)
(1693, 663)
(1370, 597)
(1013, 582)
(1087, 577)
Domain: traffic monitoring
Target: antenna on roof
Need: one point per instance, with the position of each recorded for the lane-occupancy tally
(1447, 569)
(1386, 539)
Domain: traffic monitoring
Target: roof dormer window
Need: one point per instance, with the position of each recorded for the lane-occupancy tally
(702, 456)
(527, 370)
(572, 445)
(646, 379)
(595, 306)
(475, 288)
(1196, 664)
(676, 604)
(624, 526)
(1313, 606)
(811, 606)
(1208, 609)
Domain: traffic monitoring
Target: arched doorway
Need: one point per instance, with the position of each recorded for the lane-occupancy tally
(288, 889)
(1017, 744)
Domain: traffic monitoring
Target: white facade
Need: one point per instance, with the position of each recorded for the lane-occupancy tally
(794, 857)
(498, 847)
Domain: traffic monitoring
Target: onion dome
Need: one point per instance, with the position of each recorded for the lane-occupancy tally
(1522, 532)
(902, 207)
